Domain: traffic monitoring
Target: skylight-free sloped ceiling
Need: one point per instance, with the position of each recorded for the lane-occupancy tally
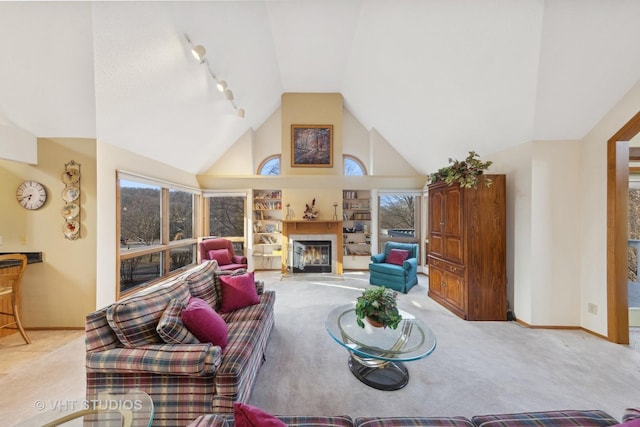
(590, 57)
(46, 77)
(313, 42)
(436, 78)
(440, 78)
(153, 97)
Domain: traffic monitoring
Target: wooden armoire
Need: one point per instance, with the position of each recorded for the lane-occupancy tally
(467, 248)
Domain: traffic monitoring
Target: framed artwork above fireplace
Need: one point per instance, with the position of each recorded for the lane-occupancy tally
(312, 146)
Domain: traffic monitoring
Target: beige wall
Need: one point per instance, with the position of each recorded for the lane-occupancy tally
(60, 291)
(311, 109)
(300, 185)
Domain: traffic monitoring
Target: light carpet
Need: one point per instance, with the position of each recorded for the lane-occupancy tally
(477, 367)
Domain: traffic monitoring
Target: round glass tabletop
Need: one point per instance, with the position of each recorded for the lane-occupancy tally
(411, 340)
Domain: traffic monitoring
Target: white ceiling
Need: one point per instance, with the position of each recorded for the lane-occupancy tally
(436, 78)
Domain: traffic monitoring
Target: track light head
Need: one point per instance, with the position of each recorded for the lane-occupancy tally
(199, 52)
(241, 112)
(221, 85)
(228, 94)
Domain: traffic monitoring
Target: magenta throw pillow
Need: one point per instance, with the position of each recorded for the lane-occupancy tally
(238, 291)
(630, 423)
(397, 256)
(249, 416)
(203, 322)
(220, 255)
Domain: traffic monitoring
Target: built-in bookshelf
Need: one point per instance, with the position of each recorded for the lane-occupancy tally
(267, 229)
(356, 227)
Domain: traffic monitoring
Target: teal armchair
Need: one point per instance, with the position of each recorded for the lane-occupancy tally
(396, 268)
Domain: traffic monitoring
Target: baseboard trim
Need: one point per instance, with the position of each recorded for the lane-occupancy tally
(580, 328)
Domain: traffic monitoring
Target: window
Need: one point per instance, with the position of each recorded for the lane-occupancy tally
(227, 218)
(270, 166)
(399, 217)
(353, 166)
(157, 236)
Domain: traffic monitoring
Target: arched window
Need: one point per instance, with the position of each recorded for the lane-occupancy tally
(270, 166)
(353, 166)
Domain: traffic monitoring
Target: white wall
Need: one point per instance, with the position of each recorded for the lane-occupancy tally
(555, 233)
(355, 140)
(515, 163)
(23, 146)
(557, 224)
(593, 205)
(385, 160)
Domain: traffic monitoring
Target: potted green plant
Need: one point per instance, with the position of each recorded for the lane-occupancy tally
(464, 172)
(379, 306)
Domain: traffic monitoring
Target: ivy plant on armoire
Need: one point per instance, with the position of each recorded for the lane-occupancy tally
(467, 248)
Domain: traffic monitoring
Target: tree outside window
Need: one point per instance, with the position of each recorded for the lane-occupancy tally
(145, 253)
(227, 219)
(398, 218)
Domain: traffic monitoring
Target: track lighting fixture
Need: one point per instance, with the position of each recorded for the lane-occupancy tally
(199, 53)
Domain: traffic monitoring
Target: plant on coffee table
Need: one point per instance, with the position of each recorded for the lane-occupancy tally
(379, 306)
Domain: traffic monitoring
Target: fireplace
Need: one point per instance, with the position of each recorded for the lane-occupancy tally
(311, 256)
(322, 242)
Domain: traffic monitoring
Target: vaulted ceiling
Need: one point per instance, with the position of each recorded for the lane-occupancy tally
(436, 78)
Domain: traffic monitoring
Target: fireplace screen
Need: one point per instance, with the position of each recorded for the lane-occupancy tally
(311, 256)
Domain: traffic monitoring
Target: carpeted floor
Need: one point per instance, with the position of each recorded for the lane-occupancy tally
(478, 367)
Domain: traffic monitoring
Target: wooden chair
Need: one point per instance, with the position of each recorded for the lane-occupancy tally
(10, 279)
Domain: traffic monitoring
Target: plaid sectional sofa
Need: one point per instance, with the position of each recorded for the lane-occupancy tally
(589, 418)
(124, 349)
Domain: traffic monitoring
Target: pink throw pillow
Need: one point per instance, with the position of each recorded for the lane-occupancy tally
(238, 291)
(203, 322)
(249, 416)
(631, 423)
(397, 256)
(220, 255)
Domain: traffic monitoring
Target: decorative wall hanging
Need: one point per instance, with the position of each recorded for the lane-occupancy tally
(312, 146)
(71, 212)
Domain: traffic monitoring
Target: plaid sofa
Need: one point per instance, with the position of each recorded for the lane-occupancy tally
(573, 418)
(124, 349)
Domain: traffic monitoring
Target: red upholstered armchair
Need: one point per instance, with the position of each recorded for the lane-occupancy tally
(222, 251)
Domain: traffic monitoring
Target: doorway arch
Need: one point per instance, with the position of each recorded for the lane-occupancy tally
(617, 217)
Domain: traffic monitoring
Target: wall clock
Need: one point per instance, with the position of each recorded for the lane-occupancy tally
(31, 195)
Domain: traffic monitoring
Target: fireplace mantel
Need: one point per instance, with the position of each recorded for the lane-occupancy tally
(319, 226)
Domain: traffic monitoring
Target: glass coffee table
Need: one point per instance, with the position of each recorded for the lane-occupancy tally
(377, 354)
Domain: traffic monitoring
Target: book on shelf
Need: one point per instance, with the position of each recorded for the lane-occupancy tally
(270, 205)
(268, 195)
